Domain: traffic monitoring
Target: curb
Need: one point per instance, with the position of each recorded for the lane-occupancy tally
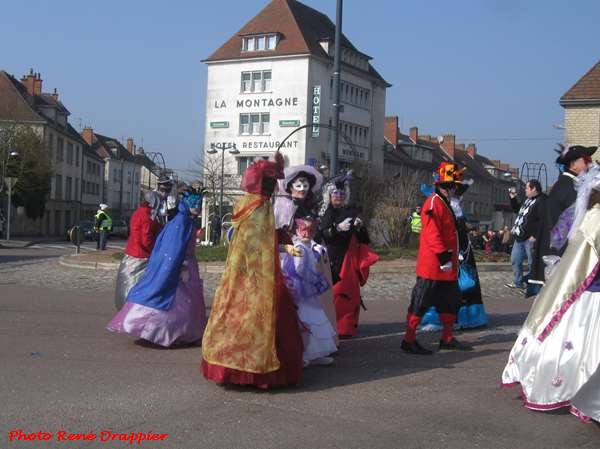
(216, 269)
(63, 260)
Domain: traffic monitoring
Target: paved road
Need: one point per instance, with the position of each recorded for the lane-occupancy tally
(61, 370)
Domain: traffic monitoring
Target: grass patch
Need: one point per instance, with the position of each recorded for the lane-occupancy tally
(389, 253)
(211, 253)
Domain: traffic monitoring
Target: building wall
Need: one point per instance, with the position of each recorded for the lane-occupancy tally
(63, 207)
(287, 100)
(122, 196)
(92, 186)
(362, 118)
(582, 126)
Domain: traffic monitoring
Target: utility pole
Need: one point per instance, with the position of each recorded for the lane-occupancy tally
(333, 148)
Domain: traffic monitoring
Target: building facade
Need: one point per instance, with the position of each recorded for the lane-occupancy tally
(25, 104)
(486, 202)
(122, 173)
(582, 110)
(275, 75)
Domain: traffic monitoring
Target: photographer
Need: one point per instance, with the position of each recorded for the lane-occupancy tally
(526, 227)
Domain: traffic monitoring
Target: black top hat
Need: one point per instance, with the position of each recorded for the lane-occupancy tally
(165, 181)
(574, 152)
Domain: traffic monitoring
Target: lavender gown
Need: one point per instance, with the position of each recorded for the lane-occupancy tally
(183, 322)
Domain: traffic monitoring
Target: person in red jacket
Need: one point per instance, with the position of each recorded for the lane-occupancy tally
(144, 227)
(437, 265)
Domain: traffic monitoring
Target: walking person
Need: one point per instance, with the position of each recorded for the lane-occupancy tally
(472, 311)
(166, 306)
(253, 334)
(348, 245)
(103, 226)
(437, 266)
(526, 227)
(415, 228)
(144, 227)
(556, 357)
(575, 160)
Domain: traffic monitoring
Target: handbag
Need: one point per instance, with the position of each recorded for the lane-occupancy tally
(466, 278)
(466, 273)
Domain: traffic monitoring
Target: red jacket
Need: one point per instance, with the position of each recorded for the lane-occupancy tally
(142, 233)
(438, 235)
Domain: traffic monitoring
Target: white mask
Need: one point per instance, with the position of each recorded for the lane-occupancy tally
(301, 185)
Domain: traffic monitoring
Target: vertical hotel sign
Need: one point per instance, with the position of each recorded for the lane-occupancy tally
(316, 110)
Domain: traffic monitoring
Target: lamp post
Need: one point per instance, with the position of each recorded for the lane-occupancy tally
(214, 148)
(10, 182)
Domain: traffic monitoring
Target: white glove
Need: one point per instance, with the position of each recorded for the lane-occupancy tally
(460, 257)
(358, 222)
(446, 267)
(344, 225)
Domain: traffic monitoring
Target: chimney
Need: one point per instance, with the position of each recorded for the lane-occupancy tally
(30, 82)
(472, 150)
(414, 134)
(37, 84)
(88, 135)
(448, 144)
(55, 94)
(130, 145)
(496, 163)
(390, 130)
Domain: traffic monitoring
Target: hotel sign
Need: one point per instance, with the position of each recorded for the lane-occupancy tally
(219, 124)
(316, 110)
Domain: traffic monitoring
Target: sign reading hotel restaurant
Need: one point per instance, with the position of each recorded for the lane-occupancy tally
(316, 110)
(259, 102)
(266, 145)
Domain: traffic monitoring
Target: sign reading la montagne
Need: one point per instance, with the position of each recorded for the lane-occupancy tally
(259, 103)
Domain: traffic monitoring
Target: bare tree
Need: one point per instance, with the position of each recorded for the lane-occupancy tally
(391, 217)
(210, 169)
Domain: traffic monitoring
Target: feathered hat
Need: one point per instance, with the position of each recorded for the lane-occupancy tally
(448, 172)
(338, 187)
(568, 154)
(315, 178)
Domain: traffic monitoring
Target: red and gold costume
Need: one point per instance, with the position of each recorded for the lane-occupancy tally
(253, 335)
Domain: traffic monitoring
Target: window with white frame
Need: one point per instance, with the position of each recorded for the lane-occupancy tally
(255, 123)
(256, 81)
(261, 42)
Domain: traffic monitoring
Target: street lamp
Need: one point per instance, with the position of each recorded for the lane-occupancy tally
(10, 182)
(214, 148)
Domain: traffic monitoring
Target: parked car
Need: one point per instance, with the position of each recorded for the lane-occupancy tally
(87, 230)
(120, 228)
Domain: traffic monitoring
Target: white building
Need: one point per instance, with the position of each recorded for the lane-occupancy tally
(274, 75)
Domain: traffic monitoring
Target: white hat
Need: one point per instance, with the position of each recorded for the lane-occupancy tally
(103, 206)
(292, 172)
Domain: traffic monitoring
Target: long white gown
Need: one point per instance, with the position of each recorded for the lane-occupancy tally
(556, 357)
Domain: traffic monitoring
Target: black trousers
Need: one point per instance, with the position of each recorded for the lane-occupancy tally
(443, 295)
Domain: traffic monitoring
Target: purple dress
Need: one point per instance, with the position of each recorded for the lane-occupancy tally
(182, 323)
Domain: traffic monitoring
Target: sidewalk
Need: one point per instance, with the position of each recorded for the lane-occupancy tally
(107, 260)
(24, 242)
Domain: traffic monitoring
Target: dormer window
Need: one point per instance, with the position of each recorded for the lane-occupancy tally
(261, 42)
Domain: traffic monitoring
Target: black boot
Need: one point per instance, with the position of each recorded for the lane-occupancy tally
(414, 348)
(455, 345)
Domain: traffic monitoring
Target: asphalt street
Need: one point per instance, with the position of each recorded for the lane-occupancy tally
(62, 371)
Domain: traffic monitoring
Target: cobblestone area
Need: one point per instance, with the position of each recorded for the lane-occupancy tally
(381, 286)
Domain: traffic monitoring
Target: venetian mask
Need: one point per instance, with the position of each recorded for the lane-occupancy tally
(306, 228)
(300, 187)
